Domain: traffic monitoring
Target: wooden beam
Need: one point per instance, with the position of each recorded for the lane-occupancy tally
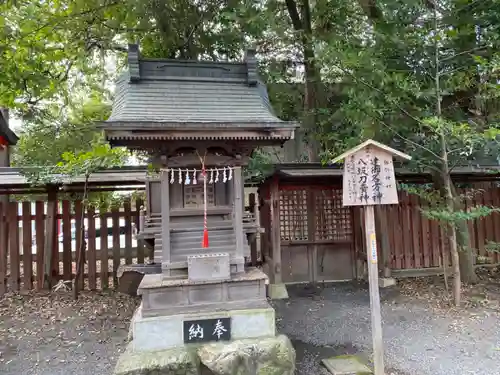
(371, 245)
(275, 269)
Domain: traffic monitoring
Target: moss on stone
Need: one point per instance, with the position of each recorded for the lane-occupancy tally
(179, 361)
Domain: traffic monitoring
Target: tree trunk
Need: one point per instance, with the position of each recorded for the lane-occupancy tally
(312, 88)
(452, 240)
(466, 253)
(445, 176)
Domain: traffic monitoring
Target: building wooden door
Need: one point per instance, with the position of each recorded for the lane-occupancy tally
(317, 242)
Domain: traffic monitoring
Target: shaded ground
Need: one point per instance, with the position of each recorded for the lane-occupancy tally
(46, 334)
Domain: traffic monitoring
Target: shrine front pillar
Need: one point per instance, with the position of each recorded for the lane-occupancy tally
(165, 217)
(238, 216)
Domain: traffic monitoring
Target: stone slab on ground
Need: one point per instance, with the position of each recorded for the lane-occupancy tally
(277, 291)
(385, 282)
(346, 365)
(268, 356)
(178, 361)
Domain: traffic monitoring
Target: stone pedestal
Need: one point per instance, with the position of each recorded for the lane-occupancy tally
(166, 332)
(165, 296)
(160, 337)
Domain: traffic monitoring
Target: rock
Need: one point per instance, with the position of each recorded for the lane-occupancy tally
(178, 361)
(263, 356)
(130, 276)
(130, 335)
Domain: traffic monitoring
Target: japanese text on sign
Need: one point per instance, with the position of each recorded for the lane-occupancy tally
(207, 330)
(369, 178)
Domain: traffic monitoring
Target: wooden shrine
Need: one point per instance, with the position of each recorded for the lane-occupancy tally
(199, 121)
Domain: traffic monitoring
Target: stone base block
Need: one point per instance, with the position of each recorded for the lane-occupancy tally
(179, 361)
(165, 332)
(346, 365)
(273, 355)
(162, 296)
(263, 356)
(385, 282)
(277, 291)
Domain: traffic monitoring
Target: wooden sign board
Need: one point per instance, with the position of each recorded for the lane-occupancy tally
(369, 177)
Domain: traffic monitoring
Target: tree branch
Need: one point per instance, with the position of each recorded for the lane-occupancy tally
(463, 53)
(370, 86)
(407, 140)
(291, 5)
(371, 10)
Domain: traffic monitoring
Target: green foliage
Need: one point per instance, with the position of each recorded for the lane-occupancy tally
(390, 79)
(80, 164)
(83, 164)
(52, 49)
(259, 166)
(458, 216)
(434, 205)
(54, 131)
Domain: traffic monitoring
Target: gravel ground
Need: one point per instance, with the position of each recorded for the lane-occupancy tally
(419, 340)
(50, 334)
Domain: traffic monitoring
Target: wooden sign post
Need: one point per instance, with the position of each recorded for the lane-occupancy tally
(369, 180)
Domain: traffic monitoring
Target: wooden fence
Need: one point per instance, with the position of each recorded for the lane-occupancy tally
(110, 241)
(419, 243)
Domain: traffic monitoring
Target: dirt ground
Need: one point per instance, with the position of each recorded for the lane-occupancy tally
(51, 334)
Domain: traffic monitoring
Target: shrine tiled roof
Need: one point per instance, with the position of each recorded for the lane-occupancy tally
(156, 94)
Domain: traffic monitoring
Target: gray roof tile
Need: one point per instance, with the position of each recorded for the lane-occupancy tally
(173, 92)
(187, 101)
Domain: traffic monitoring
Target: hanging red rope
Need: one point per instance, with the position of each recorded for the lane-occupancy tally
(204, 242)
(3, 142)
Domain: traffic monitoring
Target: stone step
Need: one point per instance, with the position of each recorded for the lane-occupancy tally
(195, 241)
(193, 227)
(199, 250)
(199, 234)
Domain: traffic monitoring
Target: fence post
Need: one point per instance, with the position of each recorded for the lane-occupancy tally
(50, 246)
(4, 243)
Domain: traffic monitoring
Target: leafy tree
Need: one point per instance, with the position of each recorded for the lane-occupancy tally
(54, 131)
(424, 81)
(49, 49)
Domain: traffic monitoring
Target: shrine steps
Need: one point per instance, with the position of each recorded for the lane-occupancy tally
(188, 241)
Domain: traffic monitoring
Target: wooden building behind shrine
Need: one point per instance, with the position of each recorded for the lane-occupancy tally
(310, 237)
